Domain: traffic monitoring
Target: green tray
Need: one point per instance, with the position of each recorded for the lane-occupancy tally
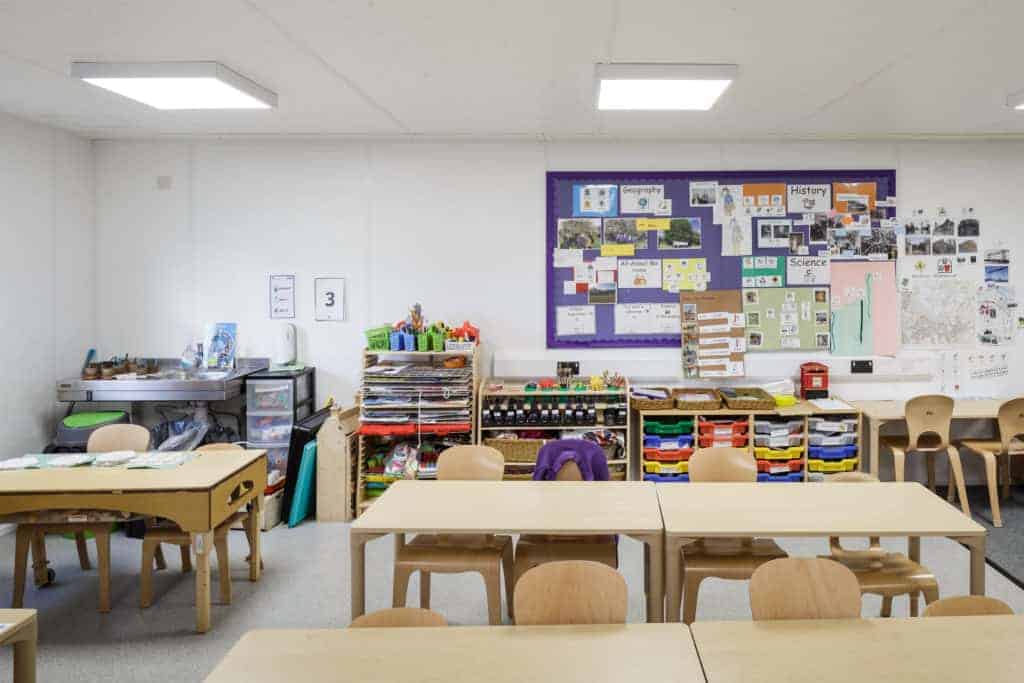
(673, 428)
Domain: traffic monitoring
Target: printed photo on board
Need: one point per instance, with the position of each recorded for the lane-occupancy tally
(623, 231)
(968, 227)
(943, 246)
(918, 245)
(682, 233)
(822, 341)
(755, 340)
(967, 247)
(703, 193)
(579, 233)
(944, 225)
(880, 242)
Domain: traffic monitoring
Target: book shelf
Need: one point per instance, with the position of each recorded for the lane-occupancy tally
(800, 443)
(549, 414)
(417, 402)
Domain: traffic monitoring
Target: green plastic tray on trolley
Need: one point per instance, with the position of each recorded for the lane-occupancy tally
(668, 428)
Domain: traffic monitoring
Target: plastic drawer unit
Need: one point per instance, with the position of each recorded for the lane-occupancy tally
(834, 426)
(778, 426)
(820, 439)
(722, 427)
(782, 478)
(832, 466)
(681, 467)
(719, 441)
(831, 452)
(781, 441)
(779, 466)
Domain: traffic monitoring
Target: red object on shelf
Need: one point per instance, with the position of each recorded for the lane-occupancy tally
(813, 380)
(718, 440)
(667, 456)
(722, 429)
(547, 384)
(405, 429)
(775, 466)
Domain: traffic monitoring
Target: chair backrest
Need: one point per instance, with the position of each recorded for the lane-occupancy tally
(967, 606)
(120, 437)
(400, 617)
(570, 472)
(929, 417)
(577, 592)
(477, 463)
(722, 464)
(219, 446)
(1011, 421)
(804, 588)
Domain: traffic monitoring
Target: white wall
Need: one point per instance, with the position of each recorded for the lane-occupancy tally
(46, 274)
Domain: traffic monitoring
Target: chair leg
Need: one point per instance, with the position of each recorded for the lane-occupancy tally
(23, 539)
(492, 586)
(886, 607)
(40, 565)
(899, 458)
(931, 593)
(158, 558)
(913, 604)
(930, 463)
(1009, 477)
(992, 480)
(146, 575)
(220, 545)
(957, 472)
(103, 560)
(508, 571)
(83, 551)
(424, 589)
(186, 557)
(691, 588)
(400, 585)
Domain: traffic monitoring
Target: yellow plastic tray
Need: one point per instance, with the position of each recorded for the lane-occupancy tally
(831, 466)
(791, 453)
(666, 467)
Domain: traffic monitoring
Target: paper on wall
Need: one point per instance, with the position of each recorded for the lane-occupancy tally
(640, 198)
(996, 320)
(703, 193)
(764, 199)
(640, 273)
(729, 203)
(567, 258)
(774, 234)
(575, 320)
(807, 198)
(666, 318)
(594, 200)
(569, 288)
(807, 270)
(633, 319)
(647, 224)
(737, 236)
(684, 274)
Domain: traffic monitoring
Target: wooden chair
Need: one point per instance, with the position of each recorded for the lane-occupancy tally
(928, 421)
(968, 606)
(804, 588)
(118, 437)
(880, 572)
(533, 550)
(1010, 443)
(570, 593)
(725, 558)
(399, 617)
(485, 554)
(173, 535)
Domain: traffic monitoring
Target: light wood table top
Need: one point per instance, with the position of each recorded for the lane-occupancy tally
(204, 471)
(12, 621)
(933, 649)
(651, 653)
(965, 409)
(854, 509)
(540, 507)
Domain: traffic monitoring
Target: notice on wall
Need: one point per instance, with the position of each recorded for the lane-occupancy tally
(807, 270)
(713, 342)
(641, 198)
(680, 274)
(329, 298)
(763, 271)
(774, 234)
(787, 319)
(633, 319)
(640, 273)
(764, 199)
(575, 320)
(854, 197)
(282, 296)
(808, 198)
(595, 200)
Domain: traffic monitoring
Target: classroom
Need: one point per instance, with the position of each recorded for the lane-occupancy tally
(382, 340)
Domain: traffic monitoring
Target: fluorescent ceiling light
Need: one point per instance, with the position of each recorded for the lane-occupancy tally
(662, 87)
(1016, 101)
(177, 85)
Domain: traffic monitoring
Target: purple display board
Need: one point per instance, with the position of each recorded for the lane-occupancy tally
(563, 201)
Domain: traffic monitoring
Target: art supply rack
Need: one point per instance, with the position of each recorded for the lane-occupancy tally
(610, 413)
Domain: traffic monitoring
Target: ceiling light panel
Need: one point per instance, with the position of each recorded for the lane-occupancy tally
(662, 87)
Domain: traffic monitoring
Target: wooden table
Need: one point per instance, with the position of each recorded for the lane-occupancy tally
(652, 653)
(515, 507)
(18, 627)
(858, 650)
(893, 509)
(879, 413)
(198, 496)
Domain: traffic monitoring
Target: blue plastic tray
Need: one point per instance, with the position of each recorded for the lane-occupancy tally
(831, 452)
(665, 478)
(682, 441)
(792, 476)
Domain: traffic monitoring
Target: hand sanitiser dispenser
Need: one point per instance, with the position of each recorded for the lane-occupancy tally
(284, 349)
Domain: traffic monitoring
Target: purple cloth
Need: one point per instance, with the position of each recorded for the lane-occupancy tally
(588, 456)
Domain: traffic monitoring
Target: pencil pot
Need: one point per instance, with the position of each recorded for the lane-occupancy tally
(423, 342)
(408, 341)
(377, 339)
(436, 341)
(396, 341)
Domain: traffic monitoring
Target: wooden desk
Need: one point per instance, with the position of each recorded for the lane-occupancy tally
(858, 650)
(18, 627)
(198, 496)
(879, 413)
(514, 507)
(652, 653)
(692, 511)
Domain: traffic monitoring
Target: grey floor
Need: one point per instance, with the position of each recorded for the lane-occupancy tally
(305, 585)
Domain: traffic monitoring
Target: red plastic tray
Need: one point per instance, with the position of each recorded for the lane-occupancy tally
(379, 429)
(667, 456)
(732, 427)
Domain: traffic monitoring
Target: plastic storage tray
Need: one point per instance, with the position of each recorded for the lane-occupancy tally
(716, 441)
(838, 426)
(265, 395)
(722, 427)
(784, 478)
(667, 427)
(831, 452)
(667, 456)
(269, 429)
(669, 442)
(779, 466)
(765, 441)
(681, 467)
(791, 453)
(769, 426)
(667, 478)
(819, 439)
(830, 466)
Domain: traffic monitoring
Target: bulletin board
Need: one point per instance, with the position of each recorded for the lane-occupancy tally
(713, 342)
(621, 246)
(787, 319)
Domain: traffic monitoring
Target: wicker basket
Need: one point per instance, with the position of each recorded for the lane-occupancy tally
(616, 473)
(653, 403)
(517, 450)
(749, 398)
(683, 402)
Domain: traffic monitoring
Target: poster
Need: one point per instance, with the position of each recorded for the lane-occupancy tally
(997, 265)
(763, 271)
(633, 319)
(728, 204)
(329, 298)
(682, 233)
(684, 274)
(666, 318)
(854, 197)
(937, 311)
(703, 193)
(641, 198)
(774, 234)
(808, 270)
(575, 320)
(808, 198)
(620, 237)
(787, 319)
(640, 273)
(282, 296)
(996, 322)
(764, 199)
(579, 233)
(594, 200)
(864, 308)
(737, 237)
(713, 342)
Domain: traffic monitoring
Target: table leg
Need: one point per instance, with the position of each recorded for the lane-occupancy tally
(655, 571)
(253, 529)
(976, 544)
(25, 654)
(673, 576)
(874, 438)
(914, 554)
(357, 547)
(202, 543)
(40, 564)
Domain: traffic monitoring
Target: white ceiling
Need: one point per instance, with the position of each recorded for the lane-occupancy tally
(524, 69)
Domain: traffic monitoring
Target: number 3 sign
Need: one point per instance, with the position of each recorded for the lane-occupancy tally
(329, 293)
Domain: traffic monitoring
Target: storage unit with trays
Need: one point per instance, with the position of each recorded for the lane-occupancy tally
(779, 446)
(411, 407)
(274, 402)
(833, 444)
(518, 416)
